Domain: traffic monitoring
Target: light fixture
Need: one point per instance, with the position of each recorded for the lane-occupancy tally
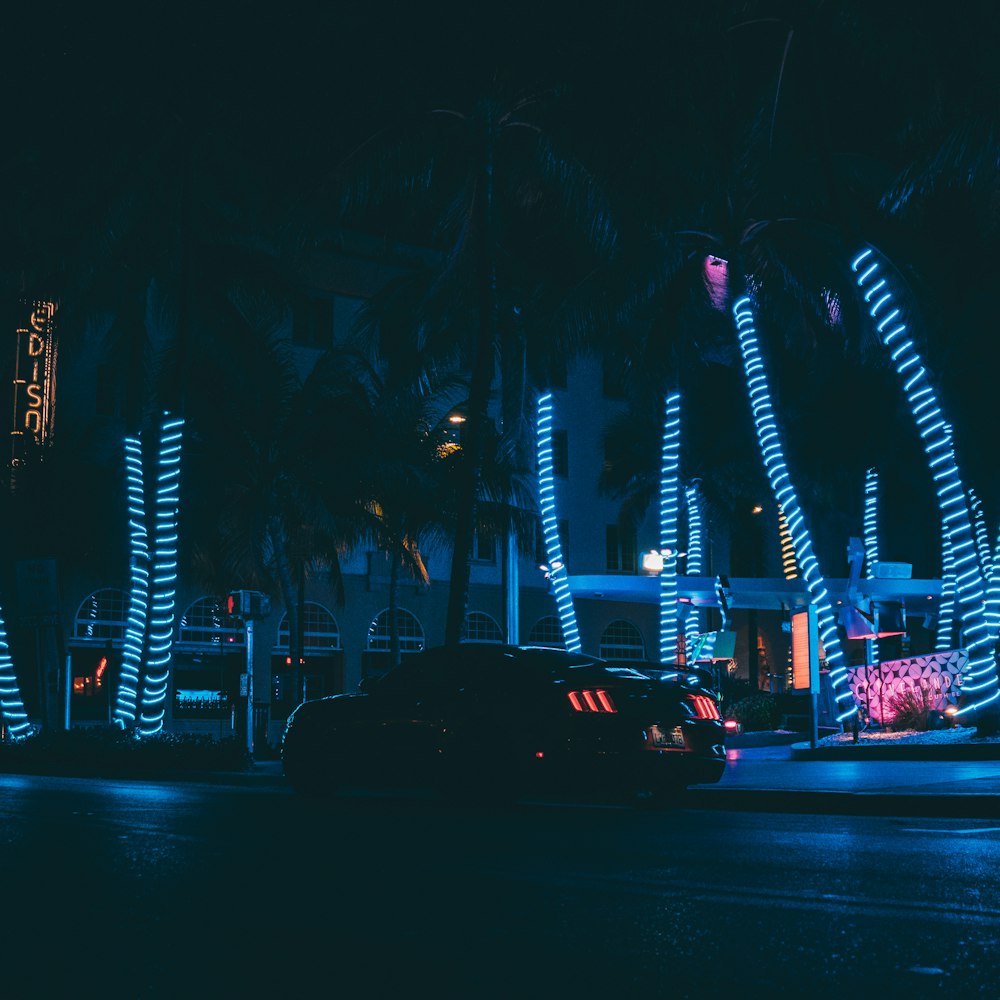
(652, 562)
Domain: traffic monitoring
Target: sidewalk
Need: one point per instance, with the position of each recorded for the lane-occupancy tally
(858, 780)
(795, 778)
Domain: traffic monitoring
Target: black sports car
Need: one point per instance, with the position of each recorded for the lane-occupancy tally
(499, 721)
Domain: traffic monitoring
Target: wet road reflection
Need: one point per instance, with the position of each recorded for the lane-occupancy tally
(157, 890)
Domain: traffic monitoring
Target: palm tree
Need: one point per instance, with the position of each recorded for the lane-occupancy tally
(256, 512)
(393, 465)
(485, 178)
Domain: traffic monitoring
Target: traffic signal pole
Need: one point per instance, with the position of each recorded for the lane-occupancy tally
(248, 605)
(249, 628)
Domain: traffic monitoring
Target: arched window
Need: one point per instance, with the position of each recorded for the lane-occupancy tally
(411, 635)
(320, 633)
(480, 627)
(102, 616)
(547, 632)
(206, 624)
(622, 641)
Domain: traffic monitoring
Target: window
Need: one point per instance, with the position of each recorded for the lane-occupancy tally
(411, 635)
(621, 549)
(560, 454)
(102, 616)
(622, 641)
(484, 548)
(546, 632)
(206, 624)
(320, 633)
(480, 627)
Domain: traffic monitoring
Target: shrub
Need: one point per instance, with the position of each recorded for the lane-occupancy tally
(912, 708)
(109, 751)
(733, 690)
(756, 713)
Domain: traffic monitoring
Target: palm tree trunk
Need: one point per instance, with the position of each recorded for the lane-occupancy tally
(479, 395)
(778, 476)
(138, 609)
(15, 718)
(513, 386)
(290, 596)
(395, 559)
(981, 688)
(156, 683)
(669, 509)
(550, 527)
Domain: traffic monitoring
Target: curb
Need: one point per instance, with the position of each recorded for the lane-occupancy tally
(255, 777)
(904, 751)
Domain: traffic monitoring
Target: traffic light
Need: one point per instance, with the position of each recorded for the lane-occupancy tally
(247, 604)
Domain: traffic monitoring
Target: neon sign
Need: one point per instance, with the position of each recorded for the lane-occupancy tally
(34, 381)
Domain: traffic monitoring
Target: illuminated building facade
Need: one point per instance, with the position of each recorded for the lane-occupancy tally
(611, 598)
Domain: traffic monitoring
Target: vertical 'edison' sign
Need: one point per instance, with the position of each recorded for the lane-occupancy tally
(34, 381)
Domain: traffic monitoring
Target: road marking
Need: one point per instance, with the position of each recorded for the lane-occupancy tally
(926, 829)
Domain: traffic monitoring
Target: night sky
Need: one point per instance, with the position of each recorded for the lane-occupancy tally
(293, 89)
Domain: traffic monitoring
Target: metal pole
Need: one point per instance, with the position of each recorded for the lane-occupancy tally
(511, 585)
(249, 628)
(813, 625)
(67, 689)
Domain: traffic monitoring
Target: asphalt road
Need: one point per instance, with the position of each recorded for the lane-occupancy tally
(141, 889)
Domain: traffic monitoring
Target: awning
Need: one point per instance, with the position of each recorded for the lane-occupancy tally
(764, 594)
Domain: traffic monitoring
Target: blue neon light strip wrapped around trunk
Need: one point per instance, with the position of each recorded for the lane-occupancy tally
(138, 605)
(693, 565)
(156, 683)
(669, 508)
(980, 687)
(944, 640)
(550, 525)
(871, 535)
(784, 493)
(982, 536)
(11, 706)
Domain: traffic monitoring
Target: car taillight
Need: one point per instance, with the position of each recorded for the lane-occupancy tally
(704, 707)
(591, 700)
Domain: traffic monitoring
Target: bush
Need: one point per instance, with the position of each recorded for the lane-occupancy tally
(913, 708)
(756, 713)
(734, 690)
(110, 752)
